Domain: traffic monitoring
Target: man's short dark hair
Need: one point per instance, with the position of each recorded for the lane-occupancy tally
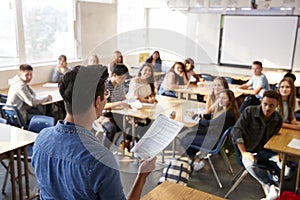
(290, 75)
(81, 86)
(25, 67)
(256, 62)
(120, 69)
(271, 94)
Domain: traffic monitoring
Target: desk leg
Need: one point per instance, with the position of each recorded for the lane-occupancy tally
(297, 179)
(133, 135)
(20, 173)
(173, 147)
(282, 172)
(12, 174)
(26, 172)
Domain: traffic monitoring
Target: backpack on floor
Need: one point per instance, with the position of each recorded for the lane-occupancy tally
(177, 170)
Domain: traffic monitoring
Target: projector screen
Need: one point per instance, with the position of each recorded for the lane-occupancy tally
(269, 39)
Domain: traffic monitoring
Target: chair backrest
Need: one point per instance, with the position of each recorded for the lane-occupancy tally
(207, 77)
(39, 122)
(219, 144)
(12, 115)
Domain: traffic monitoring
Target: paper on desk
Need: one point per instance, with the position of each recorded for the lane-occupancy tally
(161, 133)
(294, 143)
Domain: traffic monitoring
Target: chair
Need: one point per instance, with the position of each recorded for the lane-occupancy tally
(218, 148)
(39, 122)
(3, 121)
(207, 77)
(12, 115)
(241, 173)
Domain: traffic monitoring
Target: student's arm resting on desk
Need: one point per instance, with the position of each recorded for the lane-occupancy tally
(144, 170)
(29, 96)
(293, 125)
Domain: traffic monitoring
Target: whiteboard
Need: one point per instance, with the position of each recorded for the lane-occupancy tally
(269, 39)
(296, 66)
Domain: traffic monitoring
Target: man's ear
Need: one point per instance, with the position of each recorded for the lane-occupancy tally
(98, 102)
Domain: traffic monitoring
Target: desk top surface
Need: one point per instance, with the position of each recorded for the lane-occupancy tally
(170, 191)
(280, 141)
(12, 138)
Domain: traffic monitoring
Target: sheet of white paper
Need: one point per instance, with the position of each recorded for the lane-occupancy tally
(294, 143)
(52, 85)
(161, 133)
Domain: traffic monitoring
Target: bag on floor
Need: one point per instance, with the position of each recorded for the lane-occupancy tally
(177, 170)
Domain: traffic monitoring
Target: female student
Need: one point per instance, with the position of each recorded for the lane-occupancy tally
(219, 84)
(209, 131)
(142, 86)
(60, 70)
(191, 74)
(155, 60)
(287, 105)
(175, 77)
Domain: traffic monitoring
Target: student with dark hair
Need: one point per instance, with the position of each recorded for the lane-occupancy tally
(60, 70)
(155, 61)
(193, 78)
(69, 161)
(21, 95)
(175, 77)
(112, 122)
(142, 86)
(256, 125)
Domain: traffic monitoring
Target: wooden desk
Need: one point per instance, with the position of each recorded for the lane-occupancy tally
(14, 141)
(279, 143)
(172, 191)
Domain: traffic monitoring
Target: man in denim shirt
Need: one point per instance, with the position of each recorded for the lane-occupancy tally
(69, 161)
(255, 127)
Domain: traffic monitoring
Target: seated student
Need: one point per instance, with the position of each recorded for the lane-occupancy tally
(175, 77)
(219, 84)
(193, 78)
(155, 60)
(257, 85)
(209, 131)
(60, 70)
(117, 59)
(287, 105)
(22, 96)
(69, 161)
(93, 60)
(112, 123)
(142, 86)
(255, 126)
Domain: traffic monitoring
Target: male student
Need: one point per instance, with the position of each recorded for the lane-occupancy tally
(256, 86)
(69, 160)
(254, 128)
(258, 83)
(112, 122)
(22, 96)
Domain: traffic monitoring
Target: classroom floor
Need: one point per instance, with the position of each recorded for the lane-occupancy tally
(203, 180)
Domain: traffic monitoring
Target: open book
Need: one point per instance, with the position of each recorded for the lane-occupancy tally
(161, 133)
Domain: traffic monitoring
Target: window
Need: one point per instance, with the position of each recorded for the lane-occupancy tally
(36, 31)
(8, 47)
(48, 29)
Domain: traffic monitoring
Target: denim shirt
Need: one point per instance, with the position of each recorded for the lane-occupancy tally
(70, 163)
(251, 129)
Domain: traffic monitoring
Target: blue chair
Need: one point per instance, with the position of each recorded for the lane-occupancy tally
(3, 121)
(207, 77)
(3, 98)
(12, 115)
(217, 149)
(39, 122)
